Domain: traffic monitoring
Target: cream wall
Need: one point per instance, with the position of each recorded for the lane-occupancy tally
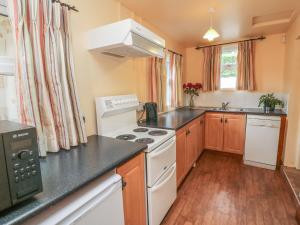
(292, 86)
(269, 64)
(100, 75)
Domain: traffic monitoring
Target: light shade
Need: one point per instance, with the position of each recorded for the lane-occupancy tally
(211, 34)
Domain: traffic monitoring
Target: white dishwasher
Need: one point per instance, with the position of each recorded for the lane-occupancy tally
(262, 136)
(97, 203)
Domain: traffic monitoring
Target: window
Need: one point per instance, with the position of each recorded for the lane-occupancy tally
(229, 67)
(169, 81)
(8, 91)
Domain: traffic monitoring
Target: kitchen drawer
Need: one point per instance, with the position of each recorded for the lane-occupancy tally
(160, 159)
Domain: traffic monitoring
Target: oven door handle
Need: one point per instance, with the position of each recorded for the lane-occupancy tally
(164, 149)
(155, 188)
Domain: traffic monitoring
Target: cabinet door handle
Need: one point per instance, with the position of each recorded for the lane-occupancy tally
(188, 132)
(221, 120)
(123, 183)
(226, 120)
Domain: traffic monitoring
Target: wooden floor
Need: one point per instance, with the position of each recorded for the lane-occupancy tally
(223, 191)
(293, 177)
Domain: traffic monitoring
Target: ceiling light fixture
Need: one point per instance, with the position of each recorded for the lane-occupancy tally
(211, 34)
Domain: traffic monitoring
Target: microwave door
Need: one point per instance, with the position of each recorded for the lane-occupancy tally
(5, 201)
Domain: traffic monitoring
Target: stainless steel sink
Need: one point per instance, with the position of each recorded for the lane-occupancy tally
(220, 109)
(228, 109)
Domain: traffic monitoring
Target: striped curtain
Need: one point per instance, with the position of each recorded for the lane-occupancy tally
(176, 68)
(157, 89)
(166, 81)
(246, 73)
(211, 68)
(45, 74)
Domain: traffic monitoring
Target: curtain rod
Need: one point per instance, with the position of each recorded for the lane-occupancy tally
(232, 42)
(173, 52)
(66, 5)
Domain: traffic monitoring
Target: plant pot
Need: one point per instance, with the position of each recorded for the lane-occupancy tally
(266, 109)
(269, 109)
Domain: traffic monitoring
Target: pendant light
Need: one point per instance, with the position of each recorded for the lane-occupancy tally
(211, 34)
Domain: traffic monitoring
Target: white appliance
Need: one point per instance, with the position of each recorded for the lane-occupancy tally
(98, 203)
(125, 38)
(262, 136)
(116, 117)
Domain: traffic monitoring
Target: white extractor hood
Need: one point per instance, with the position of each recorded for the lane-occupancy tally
(125, 38)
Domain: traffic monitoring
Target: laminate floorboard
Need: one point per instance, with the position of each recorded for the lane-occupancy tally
(293, 175)
(221, 190)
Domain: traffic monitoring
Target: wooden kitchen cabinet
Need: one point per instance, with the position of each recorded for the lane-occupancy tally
(214, 131)
(225, 132)
(192, 143)
(181, 155)
(134, 200)
(187, 148)
(234, 133)
(201, 135)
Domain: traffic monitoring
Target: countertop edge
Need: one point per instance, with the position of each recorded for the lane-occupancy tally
(204, 111)
(190, 120)
(22, 218)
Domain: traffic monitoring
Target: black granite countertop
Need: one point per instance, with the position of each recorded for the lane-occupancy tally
(67, 171)
(178, 118)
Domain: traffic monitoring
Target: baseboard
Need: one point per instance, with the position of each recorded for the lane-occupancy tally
(260, 165)
(232, 154)
(298, 215)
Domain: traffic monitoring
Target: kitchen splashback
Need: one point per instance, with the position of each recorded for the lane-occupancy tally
(236, 99)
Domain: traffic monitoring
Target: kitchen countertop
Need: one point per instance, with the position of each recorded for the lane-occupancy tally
(178, 118)
(67, 171)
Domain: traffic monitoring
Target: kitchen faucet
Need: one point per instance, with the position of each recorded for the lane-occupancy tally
(225, 105)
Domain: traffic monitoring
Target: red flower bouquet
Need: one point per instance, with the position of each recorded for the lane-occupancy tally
(192, 90)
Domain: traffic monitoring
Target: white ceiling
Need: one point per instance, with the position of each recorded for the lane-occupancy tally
(187, 20)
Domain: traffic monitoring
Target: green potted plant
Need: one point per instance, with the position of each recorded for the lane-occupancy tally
(269, 102)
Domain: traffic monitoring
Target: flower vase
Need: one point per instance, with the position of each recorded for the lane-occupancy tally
(192, 103)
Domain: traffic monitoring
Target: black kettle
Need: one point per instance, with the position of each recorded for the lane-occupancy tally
(151, 111)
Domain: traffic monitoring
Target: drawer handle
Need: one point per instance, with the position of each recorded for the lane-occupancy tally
(124, 183)
(159, 186)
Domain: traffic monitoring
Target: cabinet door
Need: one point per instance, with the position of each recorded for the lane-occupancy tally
(214, 131)
(234, 133)
(133, 174)
(180, 155)
(192, 143)
(201, 135)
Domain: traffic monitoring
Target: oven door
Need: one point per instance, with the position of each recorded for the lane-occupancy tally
(161, 196)
(160, 159)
